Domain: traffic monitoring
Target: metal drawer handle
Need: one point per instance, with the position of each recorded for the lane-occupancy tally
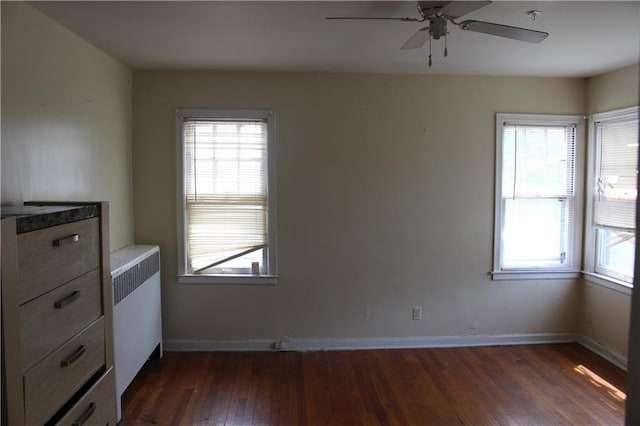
(66, 240)
(73, 357)
(67, 300)
(86, 415)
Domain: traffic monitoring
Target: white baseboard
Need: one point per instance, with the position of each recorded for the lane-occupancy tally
(604, 351)
(369, 343)
(217, 345)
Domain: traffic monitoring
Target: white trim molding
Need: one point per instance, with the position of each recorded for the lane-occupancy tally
(608, 282)
(604, 351)
(628, 113)
(532, 275)
(302, 345)
(369, 343)
(229, 279)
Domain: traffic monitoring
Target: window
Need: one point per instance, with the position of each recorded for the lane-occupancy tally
(226, 208)
(537, 212)
(612, 194)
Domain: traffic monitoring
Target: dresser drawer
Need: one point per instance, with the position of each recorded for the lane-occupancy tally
(52, 256)
(51, 382)
(53, 318)
(97, 407)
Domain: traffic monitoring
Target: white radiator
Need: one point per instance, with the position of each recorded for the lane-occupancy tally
(137, 320)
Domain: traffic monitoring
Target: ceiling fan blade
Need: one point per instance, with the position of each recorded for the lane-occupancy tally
(374, 17)
(516, 33)
(418, 39)
(456, 9)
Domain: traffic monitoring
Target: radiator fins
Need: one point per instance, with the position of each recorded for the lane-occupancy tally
(125, 283)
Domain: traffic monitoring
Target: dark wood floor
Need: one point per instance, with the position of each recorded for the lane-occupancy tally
(524, 385)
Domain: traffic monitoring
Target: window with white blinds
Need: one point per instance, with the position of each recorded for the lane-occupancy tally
(226, 195)
(537, 207)
(613, 194)
(616, 169)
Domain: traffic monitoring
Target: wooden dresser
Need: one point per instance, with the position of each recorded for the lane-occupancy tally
(57, 325)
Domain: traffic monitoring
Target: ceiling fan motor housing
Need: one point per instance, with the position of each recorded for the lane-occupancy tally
(438, 27)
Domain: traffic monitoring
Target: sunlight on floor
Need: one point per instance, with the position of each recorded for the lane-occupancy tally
(600, 382)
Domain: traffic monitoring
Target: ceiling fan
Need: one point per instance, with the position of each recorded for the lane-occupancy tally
(440, 13)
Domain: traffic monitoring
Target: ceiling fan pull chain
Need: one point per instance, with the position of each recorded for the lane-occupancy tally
(446, 52)
(429, 50)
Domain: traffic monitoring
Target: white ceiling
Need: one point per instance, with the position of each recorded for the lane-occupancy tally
(586, 38)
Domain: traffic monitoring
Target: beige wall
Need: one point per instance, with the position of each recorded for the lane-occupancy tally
(605, 317)
(613, 90)
(66, 119)
(385, 201)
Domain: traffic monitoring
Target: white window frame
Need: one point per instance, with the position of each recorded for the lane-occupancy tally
(270, 277)
(573, 269)
(590, 232)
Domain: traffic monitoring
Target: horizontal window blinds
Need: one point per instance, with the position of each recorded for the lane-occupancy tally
(225, 189)
(538, 175)
(538, 161)
(616, 167)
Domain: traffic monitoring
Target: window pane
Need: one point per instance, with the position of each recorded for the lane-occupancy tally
(616, 253)
(536, 233)
(226, 193)
(239, 265)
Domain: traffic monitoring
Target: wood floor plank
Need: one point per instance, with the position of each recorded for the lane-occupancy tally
(478, 386)
(509, 385)
(495, 373)
(265, 374)
(577, 376)
(378, 399)
(550, 389)
(464, 399)
(437, 407)
(345, 399)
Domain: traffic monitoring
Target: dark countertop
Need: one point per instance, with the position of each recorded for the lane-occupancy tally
(34, 217)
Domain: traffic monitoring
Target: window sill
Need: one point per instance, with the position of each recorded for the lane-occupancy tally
(533, 275)
(228, 279)
(608, 282)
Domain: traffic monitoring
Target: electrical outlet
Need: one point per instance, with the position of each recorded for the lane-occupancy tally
(416, 314)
